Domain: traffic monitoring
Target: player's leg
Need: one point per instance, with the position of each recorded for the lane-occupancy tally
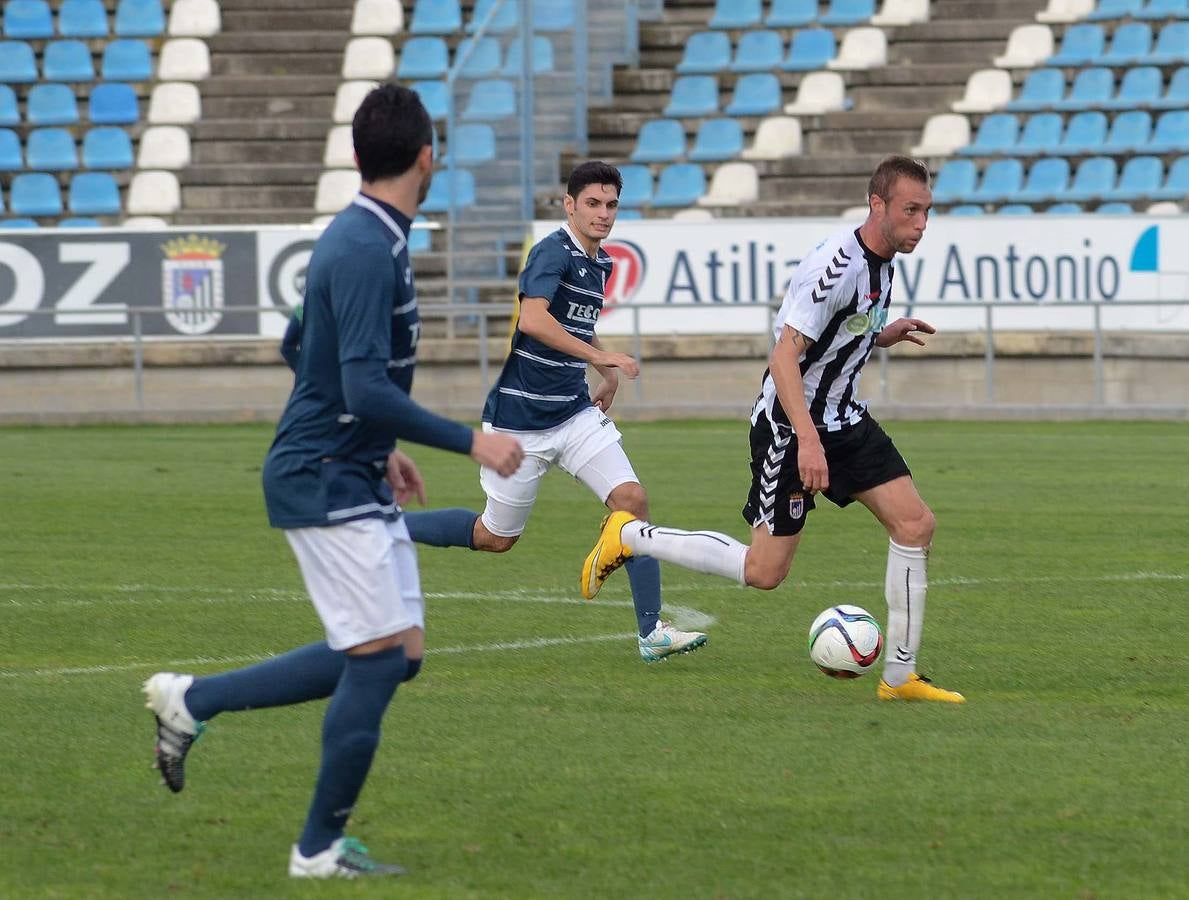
(453, 527)
(509, 503)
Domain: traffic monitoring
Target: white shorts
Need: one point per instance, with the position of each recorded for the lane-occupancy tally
(586, 445)
(362, 577)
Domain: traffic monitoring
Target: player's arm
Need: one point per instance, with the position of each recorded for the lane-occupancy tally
(291, 342)
(536, 322)
(604, 394)
(784, 364)
(902, 330)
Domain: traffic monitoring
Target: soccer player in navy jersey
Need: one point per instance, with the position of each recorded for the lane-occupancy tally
(809, 434)
(334, 482)
(541, 396)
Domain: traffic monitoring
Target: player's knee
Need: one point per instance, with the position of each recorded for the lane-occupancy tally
(764, 576)
(918, 531)
(496, 543)
(630, 497)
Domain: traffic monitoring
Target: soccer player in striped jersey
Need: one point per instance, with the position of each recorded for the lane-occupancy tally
(541, 396)
(810, 435)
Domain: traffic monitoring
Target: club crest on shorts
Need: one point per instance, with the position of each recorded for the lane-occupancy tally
(192, 283)
(796, 505)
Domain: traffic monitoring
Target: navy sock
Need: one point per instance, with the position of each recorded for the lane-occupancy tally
(443, 527)
(350, 735)
(644, 573)
(307, 673)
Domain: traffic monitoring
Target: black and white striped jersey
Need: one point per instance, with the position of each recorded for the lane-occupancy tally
(838, 297)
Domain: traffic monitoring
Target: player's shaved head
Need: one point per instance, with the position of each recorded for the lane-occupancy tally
(389, 130)
(593, 172)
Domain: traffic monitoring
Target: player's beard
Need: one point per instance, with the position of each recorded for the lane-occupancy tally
(423, 191)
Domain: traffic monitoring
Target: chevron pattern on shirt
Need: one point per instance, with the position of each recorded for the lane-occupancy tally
(834, 270)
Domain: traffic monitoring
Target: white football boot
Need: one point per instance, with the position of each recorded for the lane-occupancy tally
(665, 640)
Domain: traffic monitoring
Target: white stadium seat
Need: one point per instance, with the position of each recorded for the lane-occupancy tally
(732, 185)
(184, 59)
(369, 57)
(340, 148)
(902, 12)
(175, 103)
(322, 220)
(777, 137)
(145, 223)
(194, 18)
(335, 190)
(1065, 11)
(164, 147)
(942, 135)
(986, 90)
(862, 48)
(854, 213)
(693, 215)
(1164, 208)
(819, 92)
(383, 17)
(348, 97)
(154, 194)
(1026, 46)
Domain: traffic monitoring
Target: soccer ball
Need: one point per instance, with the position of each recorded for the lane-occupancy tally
(845, 641)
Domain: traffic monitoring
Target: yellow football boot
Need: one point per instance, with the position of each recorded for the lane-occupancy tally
(917, 688)
(608, 554)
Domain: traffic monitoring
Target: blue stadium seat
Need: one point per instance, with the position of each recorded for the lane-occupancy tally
(51, 104)
(505, 19)
(810, 48)
(996, 134)
(1114, 9)
(82, 19)
(1141, 177)
(1001, 180)
(1064, 209)
(693, 95)
(10, 151)
(1177, 185)
(485, 58)
(625, 215)
(706, 53)
(791, 13)
(756, 94)
(1047, 179)
(94, 194)
(79, 222)
(113, 103)
(955, 180)
(17, 63)
(1094, 179)
(1085, 133)
(490, 100)
(139, 18)
(420, 239)
(1171, 134)
(434, 97)
(965, 209)
(436, 17)
(126, 60)
(758, 51)
(67, 61)
(1177, 95)
(680, 184)
(35, 194)
(107, 148)
(50, 149)
(423, 57)
(660, 140)
(1041, 134)
(1172, 47)
(1082, 44)
(476, 144)
(553, 15)
(9, 113)
(1164, 9)
(1141, 86)
(1132, 43)
(1090, 90)
(1014, 209)
(736, 14)
(438, 200)
(1129, 132)
(28, 20)
(1043, 89)
(1115, 209)
(717, 140)
(637, 186)
(848, 12)
(13, 224)
(542, 50)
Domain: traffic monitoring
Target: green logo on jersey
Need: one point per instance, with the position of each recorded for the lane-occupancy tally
(865, 322)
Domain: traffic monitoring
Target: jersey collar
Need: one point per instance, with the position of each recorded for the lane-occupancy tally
(869, 253)
(565, 226)
(395, 220)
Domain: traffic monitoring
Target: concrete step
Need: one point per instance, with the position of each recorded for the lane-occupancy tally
(304, 175)
(832, 144)
(923, 97)
(276, 6)
(295, 85)
(295, 197)
(258, 130)
(245, 216)
(334, 18)
(274, 106)
(270, 42)
(1021, 11)
(978, 54)
(224, 151)
(256, 63)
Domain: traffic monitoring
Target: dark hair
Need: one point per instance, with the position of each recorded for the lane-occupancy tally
(883, 179)
(389, 129)
(593, 172)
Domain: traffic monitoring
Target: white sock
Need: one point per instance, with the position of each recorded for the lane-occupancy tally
(702, 551)
(904, 587)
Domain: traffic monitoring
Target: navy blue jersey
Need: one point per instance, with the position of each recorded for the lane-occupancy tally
(540, 387)
(325, 465)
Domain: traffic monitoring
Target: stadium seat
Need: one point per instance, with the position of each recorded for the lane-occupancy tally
(717, 140)
(67, 61)
(144, 223)
(758, 51)
(901, 12)
(1115, 208)
(1177, 95)
(340, 148)
(680, 184)
(127, 60)
(107, 148)
(15, 224)
(113, 103)
(1065, 11)
(733, 184)
(476, 144)
(351, 93)
(965, 209)
(862, 48)
(1064, 209)
(28, 20)
(1095, 178)
(1090, 90)
(791, 13)
(195, 18)
(154, 194)
(335, 190)
(542, 50)
(1176, 187)
(82, 19)
(1163, 208)
(438, 200)
(175, 103)
(481, 59)
(1083, 44)
(736, 14)
(810, 48)
(377, 17)
(1172, 47)
(436, 17)
(420, 239)
(756, 94)
(942, 135)
(777, 137)
(490, 101)
(554, 15)
(1041, 134)
(1131, 44)
(164, 147)
(505, 18)
(9, 114)
(693, 95)
(1047, 179)
(848, 12)
(1171, 134)
(79, 222)
(706, 53)
(1129, 132)
(35, 194)
(17, 63)
(1141, 87)
(1027, 46)
(189, 59)
(1001, 181)
(94, 194)
(1164, 9)
(659, 140)
(1042, 89)
(1084, 133)
(1113, 9)
(51, 104)
(139, 18)
(693, 214)
(368, 58)
(433, 94)
(819, 92)
(1141, 177)
(637, 186)
(423, 57)
(1014, 209)
(51, 150)
(997, 134)
(10, 151)
(986, 90)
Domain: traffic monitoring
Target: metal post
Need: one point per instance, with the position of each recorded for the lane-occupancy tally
(483, 362)
(451, 217)
(989, 356)
(138, 361)
(1099, 385)
(581, 75)
(528, 104)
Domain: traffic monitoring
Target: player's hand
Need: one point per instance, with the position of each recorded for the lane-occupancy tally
(404, 479)
(604, 394)
(902, 330)
(501, 452)
(622, 361)
(811, 465)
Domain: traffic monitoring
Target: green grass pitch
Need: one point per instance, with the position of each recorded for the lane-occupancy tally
(538, 757)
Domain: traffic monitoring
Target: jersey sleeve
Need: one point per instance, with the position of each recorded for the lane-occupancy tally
(815, 294)
(362, 286)
(543, 270)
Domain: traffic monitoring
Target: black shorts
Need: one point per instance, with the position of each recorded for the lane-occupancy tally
(859, 458)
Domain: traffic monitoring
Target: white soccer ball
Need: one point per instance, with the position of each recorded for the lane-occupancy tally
(845, 641)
